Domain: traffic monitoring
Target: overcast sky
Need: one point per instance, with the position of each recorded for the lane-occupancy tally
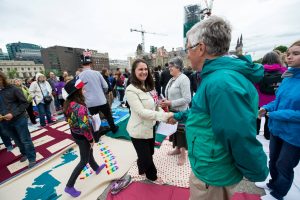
(105, 25)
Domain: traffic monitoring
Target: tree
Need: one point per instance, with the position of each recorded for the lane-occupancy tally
(258, 61)
(12, 73)
(281, 48)
(153, 49)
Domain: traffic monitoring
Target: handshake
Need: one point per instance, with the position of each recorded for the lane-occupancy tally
(164, 103)
(171, 119)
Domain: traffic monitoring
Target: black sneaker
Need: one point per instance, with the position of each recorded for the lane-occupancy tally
(31, 164)
(23, 159)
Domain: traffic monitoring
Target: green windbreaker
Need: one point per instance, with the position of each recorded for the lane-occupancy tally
(221, 124)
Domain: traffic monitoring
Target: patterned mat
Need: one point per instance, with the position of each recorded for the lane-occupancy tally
(47, 142)
(167, 167)
(48, 180)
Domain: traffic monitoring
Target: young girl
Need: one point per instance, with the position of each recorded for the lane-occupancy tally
(80, 122)
(272, 65)
(284, 125)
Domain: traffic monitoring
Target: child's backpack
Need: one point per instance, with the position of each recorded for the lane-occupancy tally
(270, 82)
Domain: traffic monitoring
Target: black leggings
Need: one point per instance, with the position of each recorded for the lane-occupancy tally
(86, 156)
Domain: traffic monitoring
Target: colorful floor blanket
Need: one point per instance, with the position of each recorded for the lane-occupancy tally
(47, 181)
(47, 142)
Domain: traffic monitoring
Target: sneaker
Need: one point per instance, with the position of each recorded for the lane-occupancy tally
(72, 191)
(262, 185)
(100, 169)
(120, 184)
(114, 130)
(268, 197)
(31, 164)
(23, 159)
(43, 126)
(9, 148)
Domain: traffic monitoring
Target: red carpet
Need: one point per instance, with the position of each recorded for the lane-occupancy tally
(10, 165)
(245, 196)
(144, 191)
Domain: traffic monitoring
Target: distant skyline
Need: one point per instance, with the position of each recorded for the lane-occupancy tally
(105, 25)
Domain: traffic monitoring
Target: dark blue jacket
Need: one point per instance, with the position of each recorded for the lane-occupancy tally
(284, 111)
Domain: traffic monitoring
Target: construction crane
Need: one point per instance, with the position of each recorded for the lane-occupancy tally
(142, 31)
(207, 11)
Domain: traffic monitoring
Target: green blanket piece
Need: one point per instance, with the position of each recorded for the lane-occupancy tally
(123, 134)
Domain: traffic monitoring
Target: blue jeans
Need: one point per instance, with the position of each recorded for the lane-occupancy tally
(284, 157)
(44, 110)
(6, 139)
(18, 131)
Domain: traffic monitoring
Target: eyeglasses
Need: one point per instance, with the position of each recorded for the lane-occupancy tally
(191, 47)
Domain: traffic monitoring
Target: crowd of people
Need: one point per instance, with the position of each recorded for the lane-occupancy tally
(217, 104)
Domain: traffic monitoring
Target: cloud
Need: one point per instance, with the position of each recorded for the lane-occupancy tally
(105, 25)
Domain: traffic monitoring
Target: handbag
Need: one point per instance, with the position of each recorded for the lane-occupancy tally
(47, 99)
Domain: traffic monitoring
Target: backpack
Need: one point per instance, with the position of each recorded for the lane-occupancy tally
(120, 81)
(270, 82)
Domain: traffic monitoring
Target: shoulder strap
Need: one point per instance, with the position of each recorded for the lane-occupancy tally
(41, 89)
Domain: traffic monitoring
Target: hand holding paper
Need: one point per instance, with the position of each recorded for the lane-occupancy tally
(96, 122)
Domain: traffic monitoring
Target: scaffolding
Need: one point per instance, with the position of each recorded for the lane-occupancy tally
(192, 15)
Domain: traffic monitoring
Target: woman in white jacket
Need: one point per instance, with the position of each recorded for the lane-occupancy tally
(143, 101)
(38, 90)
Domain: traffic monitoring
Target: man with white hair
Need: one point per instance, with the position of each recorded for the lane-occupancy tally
(221, 124)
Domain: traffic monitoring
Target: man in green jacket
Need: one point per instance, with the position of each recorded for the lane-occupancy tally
(221, 124)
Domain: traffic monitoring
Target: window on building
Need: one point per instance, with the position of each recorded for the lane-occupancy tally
(28, 68)
(0, 69)
(22, 69)
(8, 69)
(34, 68)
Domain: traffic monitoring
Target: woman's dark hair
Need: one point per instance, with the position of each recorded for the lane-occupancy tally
(4, 79)
(149, 83)
(61, 78)
(271, 58)
(104, 70)
(77, 97)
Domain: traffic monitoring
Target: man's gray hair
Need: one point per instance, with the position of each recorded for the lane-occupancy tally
(214, 32)
(177, 62)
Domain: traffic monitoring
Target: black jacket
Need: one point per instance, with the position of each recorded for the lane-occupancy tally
(164, 79)
(12, 100)
(195, 81)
